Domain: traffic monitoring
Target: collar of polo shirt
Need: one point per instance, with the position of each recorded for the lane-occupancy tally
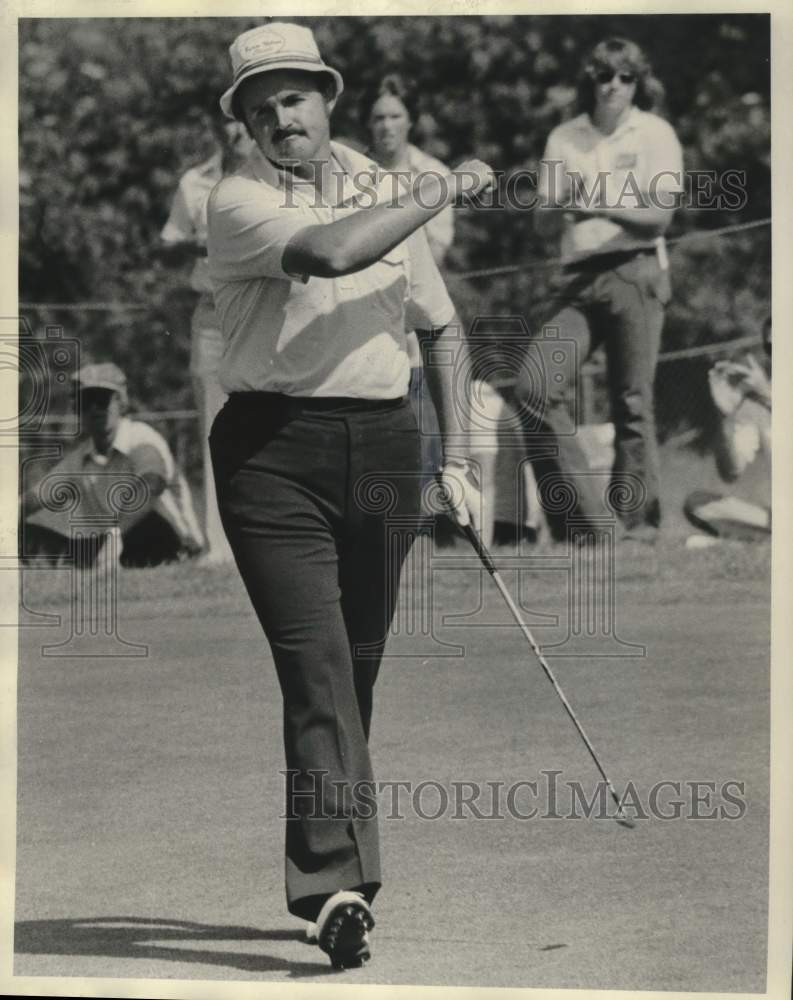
(264, 170)
(585, 123)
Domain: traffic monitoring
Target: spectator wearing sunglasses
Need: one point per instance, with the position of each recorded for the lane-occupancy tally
(609, 183)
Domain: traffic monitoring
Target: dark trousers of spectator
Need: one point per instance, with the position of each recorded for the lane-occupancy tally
(319, 499)
(151, 541)
(616, 300)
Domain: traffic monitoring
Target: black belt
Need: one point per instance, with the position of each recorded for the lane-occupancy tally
(281, 403)
(604, 261)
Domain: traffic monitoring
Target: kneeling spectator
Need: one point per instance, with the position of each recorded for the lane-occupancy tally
(119, 459)
(741, 392)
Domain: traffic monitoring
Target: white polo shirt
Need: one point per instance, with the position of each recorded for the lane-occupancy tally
(642, 155)
(310, 336)
(440, 229)
(187, 221)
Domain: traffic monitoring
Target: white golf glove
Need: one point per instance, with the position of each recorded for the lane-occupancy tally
(462, 494)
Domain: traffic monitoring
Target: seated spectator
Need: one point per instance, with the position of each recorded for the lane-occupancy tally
(741, 392)
(121, 477)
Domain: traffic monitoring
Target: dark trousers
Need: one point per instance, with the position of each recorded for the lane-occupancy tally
(616, 300)
(151, 541)
(429, 430)
(320, 502)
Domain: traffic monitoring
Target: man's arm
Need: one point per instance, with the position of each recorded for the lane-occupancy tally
(440, 234)
(444, 349)
(448, 344)
(738, 436)
(660, 189)
(651, 218)
(356, 241)
(553, 190)
(645, 220)
(178, 242)
(463, 496)
(658, 185)
(734, 447)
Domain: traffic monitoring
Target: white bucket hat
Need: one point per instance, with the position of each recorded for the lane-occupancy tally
(278, 45)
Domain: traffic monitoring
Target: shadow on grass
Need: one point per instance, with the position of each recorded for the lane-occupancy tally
(141, 938)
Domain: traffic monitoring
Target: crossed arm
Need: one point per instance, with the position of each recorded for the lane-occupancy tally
(648, 220)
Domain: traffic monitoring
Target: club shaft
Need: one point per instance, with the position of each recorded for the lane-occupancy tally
(490, 566)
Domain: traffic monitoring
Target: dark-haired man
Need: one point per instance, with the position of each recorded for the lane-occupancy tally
(609, 183)
(316, 453)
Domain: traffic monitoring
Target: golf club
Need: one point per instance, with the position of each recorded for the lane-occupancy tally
(487, 561)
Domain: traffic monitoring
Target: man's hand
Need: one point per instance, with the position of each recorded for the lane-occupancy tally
(725, 388)
(755, 382)
(471, 178)
(731, 382)
(462, 495)
(642, 220)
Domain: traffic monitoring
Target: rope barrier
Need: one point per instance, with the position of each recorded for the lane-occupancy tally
(701, 350)
(554, 262)
(151, 416)
(715, 347)
(705, 349)
(88, 306)
(487, 272)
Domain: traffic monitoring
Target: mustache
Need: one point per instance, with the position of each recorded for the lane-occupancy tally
(282, 133)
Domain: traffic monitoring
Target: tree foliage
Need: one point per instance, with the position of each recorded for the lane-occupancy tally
(113, 111)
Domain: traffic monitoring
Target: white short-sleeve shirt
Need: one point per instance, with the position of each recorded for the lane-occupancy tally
(187, 221)
(642, 155)
(440, 229)
(311, 336)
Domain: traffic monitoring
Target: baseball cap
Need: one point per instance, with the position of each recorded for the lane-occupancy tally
(278, 45)
(102, 376)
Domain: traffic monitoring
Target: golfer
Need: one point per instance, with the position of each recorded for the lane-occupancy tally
(609, 183)
(317, 272)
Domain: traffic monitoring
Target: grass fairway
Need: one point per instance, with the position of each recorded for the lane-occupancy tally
(149, 838)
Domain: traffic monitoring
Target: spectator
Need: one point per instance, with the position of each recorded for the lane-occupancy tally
(389, 111)
(741, 393)
(184, 236)
(608, 186)
(121, 464)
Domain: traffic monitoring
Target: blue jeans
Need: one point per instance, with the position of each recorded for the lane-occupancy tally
(317, 498)
(616, 300)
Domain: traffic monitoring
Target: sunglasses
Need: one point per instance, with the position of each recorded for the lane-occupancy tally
(607, 75)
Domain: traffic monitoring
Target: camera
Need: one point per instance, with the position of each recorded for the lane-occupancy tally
(40, 370)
